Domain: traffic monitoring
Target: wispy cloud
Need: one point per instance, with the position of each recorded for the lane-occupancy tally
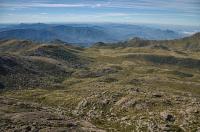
(184, 6)
(43, 13)
(102, 10)
(179, 5)
(38, 5)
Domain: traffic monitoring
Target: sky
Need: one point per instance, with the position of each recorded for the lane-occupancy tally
(176, 12)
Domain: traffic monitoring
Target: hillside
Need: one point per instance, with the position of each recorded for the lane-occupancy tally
(40, 63)
(137, 85)
(186, 43)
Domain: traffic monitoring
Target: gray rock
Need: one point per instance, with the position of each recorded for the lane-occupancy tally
(157, 95)
(82, 104)
(167, 116)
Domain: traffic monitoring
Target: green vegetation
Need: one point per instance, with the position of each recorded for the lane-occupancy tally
(114, 87)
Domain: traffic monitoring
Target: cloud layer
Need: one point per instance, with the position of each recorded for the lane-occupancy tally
(182, 9)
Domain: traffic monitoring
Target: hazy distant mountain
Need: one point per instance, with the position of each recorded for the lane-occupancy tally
(84, 33)
(124, 32)
(44, 32)
(30, 34)
(36, 26)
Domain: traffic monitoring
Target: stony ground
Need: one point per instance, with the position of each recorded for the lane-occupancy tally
(21, 116)
(119, 89)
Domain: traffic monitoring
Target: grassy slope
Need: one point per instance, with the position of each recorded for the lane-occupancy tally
(25, 64)
(121, 89)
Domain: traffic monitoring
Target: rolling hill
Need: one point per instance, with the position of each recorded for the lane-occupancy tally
(38, 62)
(186, 43)
(136, 85)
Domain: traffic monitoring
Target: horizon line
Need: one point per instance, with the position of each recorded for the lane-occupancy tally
(128, 23)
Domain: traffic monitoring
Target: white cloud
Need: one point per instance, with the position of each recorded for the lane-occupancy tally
(44, 13)
(178, 5)
(113, 14)
(48, 5)
(124, 10)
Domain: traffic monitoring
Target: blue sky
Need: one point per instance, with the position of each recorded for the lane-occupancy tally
(176, 12)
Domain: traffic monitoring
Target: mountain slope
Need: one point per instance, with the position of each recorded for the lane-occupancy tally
(191, 43)
(47, 33)
(140, 85)
(28, 64)
(15, 46)
(28, 34)
(187, 43)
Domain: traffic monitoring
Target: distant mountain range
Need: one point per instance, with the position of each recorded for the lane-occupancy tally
(84, 34)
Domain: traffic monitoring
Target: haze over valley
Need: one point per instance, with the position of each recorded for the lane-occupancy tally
(88, 34)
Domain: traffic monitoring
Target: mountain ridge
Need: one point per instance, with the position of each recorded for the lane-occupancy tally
(189, 43)
(84, 33)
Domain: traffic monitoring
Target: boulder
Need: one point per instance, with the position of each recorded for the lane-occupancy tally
(167, 116)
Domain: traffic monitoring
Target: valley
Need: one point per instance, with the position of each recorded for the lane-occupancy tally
(134, 85)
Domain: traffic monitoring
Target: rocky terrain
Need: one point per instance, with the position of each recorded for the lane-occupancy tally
(137, 85)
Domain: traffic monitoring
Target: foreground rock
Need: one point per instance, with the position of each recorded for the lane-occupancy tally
(17, 116)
